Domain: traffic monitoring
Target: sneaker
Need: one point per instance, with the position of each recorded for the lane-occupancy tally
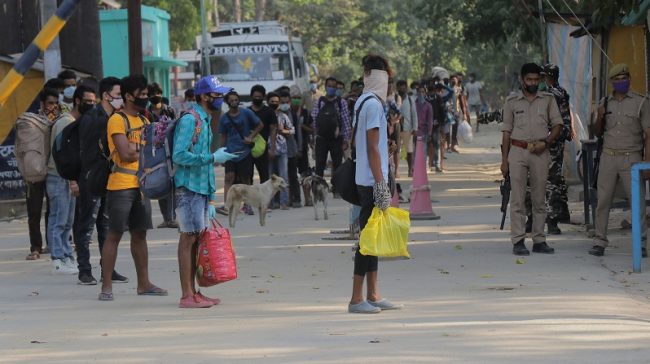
(363, 307)
(72, 264)
(115, 278)
(385, 304)
(194, 302)
(59, 267)
(87, 279)
(162, 225)
(284, 207)
(118, 278)
(214, 301)
(172, 224)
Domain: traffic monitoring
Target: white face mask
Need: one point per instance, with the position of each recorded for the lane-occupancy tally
(117, 103)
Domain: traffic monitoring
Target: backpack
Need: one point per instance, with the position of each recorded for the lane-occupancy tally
(344, 178)
(32, 148)
(155, 168)
(66, 152)
(328, 120)
(98, 173)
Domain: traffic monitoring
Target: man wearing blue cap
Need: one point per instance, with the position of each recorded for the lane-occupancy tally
(195, 182)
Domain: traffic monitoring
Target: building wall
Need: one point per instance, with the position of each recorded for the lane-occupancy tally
(627, 45)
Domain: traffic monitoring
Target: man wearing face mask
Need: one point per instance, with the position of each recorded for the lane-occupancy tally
(62, 193)
(36, 191)
(156, 111)
(127, 210)
(92, 209)
(331, 128)
(269, 131)
(556, 188)
(624, 123)
(238, 127)
(195, 183)
(527, 117)
(66, 101)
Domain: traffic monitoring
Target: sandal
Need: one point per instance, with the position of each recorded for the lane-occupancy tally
(222, 210)
(105, 296)
(33, 256)
(153, 291)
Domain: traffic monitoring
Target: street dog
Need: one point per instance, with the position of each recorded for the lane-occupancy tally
(257, 195)
(319, 191)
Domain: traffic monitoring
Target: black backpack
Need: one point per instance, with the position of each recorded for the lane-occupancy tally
(328, 120)
(66, 152)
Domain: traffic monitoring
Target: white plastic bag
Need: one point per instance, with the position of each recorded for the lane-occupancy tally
(465, 132)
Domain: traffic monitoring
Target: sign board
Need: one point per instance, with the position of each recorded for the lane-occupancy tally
(12, 185)
(271, 48)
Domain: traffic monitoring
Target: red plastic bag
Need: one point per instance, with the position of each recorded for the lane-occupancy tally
(215, 257)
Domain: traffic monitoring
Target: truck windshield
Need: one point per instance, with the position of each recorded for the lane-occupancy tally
(251, 62)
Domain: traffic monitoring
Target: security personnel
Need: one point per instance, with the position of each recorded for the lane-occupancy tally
(624, 123)
(557, 208)
(527, 115)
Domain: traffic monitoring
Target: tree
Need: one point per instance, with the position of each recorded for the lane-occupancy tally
(184, 24)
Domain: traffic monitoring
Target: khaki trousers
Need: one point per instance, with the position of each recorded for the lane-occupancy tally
(523, 164)
(613, 167)
(406, 141)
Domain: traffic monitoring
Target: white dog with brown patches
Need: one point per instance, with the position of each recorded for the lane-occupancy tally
(319, 190)
(257, 195)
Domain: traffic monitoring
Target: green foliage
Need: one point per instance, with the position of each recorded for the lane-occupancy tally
(185, 22)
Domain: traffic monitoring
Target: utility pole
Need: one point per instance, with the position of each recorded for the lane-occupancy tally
(134, 12)
(52, 55)
(542, 28)
(205, 56)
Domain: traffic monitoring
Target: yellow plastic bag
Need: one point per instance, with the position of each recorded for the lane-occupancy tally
(386, 233)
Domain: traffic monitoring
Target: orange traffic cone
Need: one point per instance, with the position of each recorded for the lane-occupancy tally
(420, 208)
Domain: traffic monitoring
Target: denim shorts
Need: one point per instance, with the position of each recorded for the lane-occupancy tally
(127, 210)
(191, 210)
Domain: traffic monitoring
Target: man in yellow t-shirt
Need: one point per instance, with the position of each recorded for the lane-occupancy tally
(126, 209)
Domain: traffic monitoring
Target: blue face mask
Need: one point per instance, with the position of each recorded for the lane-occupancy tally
(330, 91)
(339, 92)
(216, 103)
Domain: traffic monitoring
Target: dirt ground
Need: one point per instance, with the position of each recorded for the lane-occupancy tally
(466, 297)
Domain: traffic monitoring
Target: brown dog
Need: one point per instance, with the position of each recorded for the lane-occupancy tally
(257, 195)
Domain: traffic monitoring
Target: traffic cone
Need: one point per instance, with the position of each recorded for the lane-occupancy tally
(420, 208)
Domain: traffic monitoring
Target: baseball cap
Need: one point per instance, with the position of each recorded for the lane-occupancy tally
(210, 84)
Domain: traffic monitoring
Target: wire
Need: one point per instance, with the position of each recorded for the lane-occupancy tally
(582, 25)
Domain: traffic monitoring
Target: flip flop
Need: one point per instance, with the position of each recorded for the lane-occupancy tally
(33, 256)
(105, 296)
(153, 291)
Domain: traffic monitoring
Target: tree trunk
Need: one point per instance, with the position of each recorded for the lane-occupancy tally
(236, 11)
(215, 13)
(260, 9)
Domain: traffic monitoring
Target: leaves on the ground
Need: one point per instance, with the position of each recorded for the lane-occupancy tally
(487, 276)
(520, 261)
(458, 247)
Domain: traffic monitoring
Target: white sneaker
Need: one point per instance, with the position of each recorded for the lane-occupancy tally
(60, 267)
(72, 264)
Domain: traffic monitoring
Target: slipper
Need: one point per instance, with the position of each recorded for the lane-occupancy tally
(33, 256)
(153, 291)
(105, 296)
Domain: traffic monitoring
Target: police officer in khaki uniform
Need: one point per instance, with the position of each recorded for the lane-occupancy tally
(527, 117)
(624, 123)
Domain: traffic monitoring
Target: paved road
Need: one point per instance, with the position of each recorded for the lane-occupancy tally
(466, 298)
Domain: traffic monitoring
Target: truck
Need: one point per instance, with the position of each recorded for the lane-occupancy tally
(245, 54)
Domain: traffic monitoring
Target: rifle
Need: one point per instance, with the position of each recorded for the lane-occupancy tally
(505, 198)
(599, 150)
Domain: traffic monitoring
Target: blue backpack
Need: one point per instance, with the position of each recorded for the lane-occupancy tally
(156, 169)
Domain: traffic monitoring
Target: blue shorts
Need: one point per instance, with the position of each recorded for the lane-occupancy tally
(191, 210)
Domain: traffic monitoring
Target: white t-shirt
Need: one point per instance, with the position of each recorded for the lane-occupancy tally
(372, 116)
(473, 90)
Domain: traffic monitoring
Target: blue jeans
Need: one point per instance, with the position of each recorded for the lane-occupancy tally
(279, 166)
(191, 210)
(59, 224)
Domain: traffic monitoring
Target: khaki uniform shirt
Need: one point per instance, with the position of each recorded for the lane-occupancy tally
(626, 122)
(530, 120)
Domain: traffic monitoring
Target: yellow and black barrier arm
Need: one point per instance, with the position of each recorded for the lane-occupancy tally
(47, 34)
